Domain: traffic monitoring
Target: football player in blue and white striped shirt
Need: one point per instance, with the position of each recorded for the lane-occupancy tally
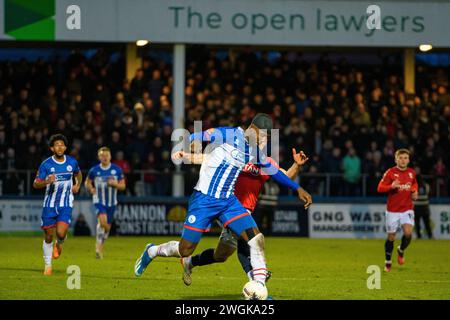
(56, 174)
(103, 181)
(214, 198)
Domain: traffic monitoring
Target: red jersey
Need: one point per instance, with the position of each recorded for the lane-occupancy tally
(249, 184)
(399, 199)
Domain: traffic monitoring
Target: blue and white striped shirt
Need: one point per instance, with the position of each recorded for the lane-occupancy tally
(105, 195)
(222, 166)
(59, 193)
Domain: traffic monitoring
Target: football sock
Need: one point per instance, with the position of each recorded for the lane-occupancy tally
(204, 258)
(100, 234)
(388, 247)
(48, 250)
(405, 242)
(60, 241)
(243, 251)
(168, 249)
(257, 258)
(105, 235)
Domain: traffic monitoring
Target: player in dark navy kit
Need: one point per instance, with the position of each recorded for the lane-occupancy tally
(56, 174)
(103, 182)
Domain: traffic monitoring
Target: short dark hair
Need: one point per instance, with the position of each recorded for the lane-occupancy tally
(263, 121)
(57, 137)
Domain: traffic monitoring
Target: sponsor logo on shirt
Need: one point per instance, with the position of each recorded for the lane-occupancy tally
(252, 169)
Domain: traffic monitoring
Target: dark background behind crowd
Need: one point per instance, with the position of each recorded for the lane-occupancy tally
(349, 116)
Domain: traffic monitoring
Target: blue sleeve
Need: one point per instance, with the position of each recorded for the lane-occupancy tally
(76, 167)
(279, 176)
(42, 172)
(120, 175)
(91, 173)
(210, 135)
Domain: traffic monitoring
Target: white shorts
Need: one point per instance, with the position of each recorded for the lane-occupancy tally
(394, 220)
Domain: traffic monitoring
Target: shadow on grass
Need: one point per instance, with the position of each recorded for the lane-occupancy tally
(35, 270)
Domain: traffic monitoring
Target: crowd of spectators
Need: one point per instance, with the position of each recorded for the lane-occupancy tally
(349, 119)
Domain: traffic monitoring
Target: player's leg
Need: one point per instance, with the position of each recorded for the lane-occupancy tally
(102, 224)
(101, 231)
(392, 224)
(225, 248)
(62, 226)
(243, 253)
(197, 222)
(48, 224)
(240, 221)
(47, 248)
(388, 248)
(407, 223)
(177, 249)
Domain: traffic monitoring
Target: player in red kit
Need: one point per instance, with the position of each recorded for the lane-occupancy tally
(247, 190)
(401, 185)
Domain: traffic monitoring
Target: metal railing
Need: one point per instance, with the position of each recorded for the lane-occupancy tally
(156, 183)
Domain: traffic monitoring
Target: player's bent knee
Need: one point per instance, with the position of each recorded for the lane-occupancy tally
(186, 249)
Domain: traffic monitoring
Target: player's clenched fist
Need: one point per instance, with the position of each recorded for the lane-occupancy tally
(305, 197)
(76, 188)
(178, 155)
(395, 184)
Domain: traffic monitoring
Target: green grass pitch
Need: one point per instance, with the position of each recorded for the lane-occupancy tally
(302, 269)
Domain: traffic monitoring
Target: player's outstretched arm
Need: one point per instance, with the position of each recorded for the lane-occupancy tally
(299, 160)
(284, 180)
(192, 158)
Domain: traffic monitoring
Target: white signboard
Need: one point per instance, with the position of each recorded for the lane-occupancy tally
(365, 221)
(25, 215)
(244, 22)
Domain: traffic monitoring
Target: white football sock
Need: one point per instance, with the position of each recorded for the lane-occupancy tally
(168, 249)
(257, 258)
(48, 251)
(100, 234)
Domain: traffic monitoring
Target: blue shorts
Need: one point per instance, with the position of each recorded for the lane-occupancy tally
(203, 209)
(52, 216)
(109, 211)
